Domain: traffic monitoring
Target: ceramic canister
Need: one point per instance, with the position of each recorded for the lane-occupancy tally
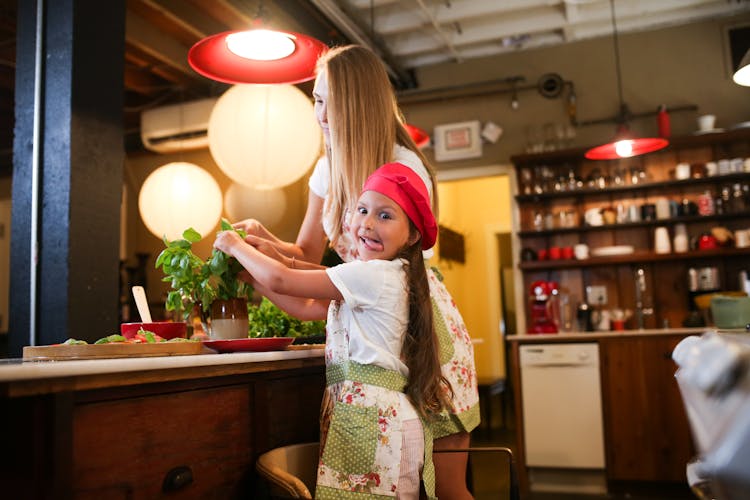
(662, 208)
(680, 241)
(661, 240)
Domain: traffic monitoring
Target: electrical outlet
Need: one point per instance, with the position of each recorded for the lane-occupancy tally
(596, 295)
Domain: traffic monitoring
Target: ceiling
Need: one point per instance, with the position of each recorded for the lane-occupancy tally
(407, 34)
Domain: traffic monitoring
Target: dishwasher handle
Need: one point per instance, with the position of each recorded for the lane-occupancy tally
(552, 364)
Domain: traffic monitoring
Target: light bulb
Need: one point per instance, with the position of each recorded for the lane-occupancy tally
(624, 148)
(261, 45)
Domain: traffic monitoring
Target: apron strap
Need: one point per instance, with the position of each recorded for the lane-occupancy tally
(367, 374)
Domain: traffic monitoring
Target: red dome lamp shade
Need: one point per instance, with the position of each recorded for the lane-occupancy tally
(624, 145)
(419, 136)
(237, 57)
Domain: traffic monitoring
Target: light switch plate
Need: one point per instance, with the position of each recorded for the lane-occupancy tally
(596, 295)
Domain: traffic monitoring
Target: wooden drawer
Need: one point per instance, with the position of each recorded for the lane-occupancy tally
(126, 448)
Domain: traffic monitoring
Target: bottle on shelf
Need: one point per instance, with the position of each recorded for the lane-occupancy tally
(680, 240)
(706, 204)
(737, 203)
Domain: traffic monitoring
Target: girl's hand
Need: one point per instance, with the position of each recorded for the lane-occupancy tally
(227, 241)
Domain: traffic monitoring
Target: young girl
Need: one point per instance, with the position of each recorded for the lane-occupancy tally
(382, 368)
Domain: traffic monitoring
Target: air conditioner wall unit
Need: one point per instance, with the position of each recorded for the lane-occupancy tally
(177, 127)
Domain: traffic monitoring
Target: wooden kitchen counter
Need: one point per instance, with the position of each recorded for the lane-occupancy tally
(178, 426)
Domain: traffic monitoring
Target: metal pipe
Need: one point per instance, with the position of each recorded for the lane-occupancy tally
(616, 118)
(443, 36)
(35, 161)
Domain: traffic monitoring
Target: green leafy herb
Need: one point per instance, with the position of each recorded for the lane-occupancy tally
(149, 336)
(267, 320)
(75, 342)
(111, 338)
(195, 281)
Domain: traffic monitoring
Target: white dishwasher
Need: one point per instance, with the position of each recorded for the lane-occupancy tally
(562, 415)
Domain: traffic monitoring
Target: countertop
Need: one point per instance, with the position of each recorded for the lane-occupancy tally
(25, 377)
(578, 336)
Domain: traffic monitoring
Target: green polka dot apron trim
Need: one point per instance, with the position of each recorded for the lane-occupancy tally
(445, 343)
(354, 435)
(456, 361)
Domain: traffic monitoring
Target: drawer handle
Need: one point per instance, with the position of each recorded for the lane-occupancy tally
(177, 478)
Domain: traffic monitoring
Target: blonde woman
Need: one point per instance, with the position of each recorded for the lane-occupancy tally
(357, 111)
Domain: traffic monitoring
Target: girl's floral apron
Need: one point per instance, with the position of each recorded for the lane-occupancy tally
(456, 361)
(360, 437)
(456, 350)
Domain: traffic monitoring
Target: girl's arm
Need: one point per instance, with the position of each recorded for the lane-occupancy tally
(311, 239)
(300, 308)
(274, 275)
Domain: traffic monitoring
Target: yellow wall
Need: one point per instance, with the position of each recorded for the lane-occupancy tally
(478, 209)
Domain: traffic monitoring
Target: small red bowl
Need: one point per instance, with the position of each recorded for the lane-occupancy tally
(164, 329)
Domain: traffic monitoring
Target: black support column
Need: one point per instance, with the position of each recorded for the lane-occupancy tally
(80, 169)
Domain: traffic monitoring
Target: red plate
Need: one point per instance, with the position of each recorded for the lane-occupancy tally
(259, 344)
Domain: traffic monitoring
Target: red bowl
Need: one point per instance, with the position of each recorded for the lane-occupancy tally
(164, 329)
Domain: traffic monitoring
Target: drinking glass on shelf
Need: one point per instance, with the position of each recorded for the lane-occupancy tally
(550, 138)
(534, 141)
(526, 180)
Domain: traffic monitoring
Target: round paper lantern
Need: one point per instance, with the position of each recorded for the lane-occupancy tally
(264, 136)
(177, 196)
(266, 205)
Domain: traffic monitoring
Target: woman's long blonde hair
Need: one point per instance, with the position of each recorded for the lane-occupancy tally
(364, 123)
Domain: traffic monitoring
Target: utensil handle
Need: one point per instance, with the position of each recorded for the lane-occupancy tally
(142, 304)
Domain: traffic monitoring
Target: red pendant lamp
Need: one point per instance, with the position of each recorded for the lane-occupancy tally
(419, 136)
(624, 144)
(257, 56)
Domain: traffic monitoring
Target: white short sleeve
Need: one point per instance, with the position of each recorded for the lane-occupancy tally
(320, 179)
(360, 283)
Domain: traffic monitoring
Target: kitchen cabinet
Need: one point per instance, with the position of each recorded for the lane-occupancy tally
(564, 200)
(646, 428)
(178, 432)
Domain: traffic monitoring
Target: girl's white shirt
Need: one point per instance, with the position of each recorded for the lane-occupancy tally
(375, 310)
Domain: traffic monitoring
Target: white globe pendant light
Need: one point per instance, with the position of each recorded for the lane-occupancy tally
(266, 205)
(264, 136)
(177, 196)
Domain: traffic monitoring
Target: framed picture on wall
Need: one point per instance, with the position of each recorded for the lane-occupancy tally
(457, 141)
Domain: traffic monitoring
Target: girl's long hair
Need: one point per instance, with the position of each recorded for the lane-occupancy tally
(426, 385)
(364, 123)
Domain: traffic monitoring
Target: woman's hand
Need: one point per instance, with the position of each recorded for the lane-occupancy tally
(255, 228)
(266, 247)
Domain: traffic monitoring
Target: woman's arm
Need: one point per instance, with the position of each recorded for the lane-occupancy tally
(311, 239)
(274, 275)
(267, 247)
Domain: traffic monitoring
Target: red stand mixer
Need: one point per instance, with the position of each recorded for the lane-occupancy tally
(544, 307)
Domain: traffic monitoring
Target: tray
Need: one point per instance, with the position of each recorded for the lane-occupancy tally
(115, 350)
(259, 344)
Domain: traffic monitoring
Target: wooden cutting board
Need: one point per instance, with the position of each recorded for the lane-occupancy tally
(114, 350)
